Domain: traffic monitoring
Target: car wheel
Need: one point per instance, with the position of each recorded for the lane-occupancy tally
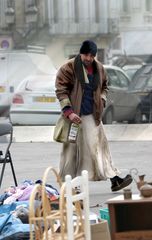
(138, 116)
(108, 116)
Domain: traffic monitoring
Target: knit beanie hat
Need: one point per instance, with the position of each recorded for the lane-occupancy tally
(88, 46)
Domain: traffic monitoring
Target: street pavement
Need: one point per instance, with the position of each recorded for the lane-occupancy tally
(32, 158)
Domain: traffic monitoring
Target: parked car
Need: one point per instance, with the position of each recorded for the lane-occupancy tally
(35, 102)
(16, 65)
(122, 104)
(142, 85)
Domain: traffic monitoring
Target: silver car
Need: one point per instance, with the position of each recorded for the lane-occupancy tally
(122, 104)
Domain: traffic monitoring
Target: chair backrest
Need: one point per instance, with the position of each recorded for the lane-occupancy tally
(5, 128)
(45, 178)
(36, 219)
(75, 201)
(50, 215)
(42, 226)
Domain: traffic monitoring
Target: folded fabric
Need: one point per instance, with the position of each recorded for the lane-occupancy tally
(12, 227)
(26, 193)
(7, 208)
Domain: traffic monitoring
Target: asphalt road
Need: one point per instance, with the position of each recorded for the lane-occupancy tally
(31, 159)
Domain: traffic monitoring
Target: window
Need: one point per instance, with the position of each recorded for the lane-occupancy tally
(136, 4)
(10, 3)
(113, 78)
(97, 11)
(40, 84)
(149, 83)
(55, 11)
(116, 44)
(113, 5)
(76, 11)
(101, 55)
(140, 84)
(148, 6)
(29, 3)
(125, 6)
(124, 82)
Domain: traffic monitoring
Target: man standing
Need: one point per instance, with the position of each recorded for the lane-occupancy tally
(81, 87)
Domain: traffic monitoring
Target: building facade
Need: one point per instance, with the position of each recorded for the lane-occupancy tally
(117, 26)
(19, 20)
(72, 21)
(136, 27)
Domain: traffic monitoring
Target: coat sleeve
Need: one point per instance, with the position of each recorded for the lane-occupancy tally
(64, 85)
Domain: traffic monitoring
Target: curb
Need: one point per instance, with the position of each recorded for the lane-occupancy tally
(114, 132)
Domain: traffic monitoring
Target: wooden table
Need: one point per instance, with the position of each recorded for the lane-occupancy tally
(130, 219)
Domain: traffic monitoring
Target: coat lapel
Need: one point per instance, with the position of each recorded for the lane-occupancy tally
(79, 70)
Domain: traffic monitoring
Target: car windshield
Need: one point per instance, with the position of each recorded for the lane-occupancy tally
(130, 72)
(145, 69)
(139, 84)
(39, 85)
(117, 78)
(149, 83)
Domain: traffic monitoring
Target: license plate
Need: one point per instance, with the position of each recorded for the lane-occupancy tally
(2, 89)
(44, 99)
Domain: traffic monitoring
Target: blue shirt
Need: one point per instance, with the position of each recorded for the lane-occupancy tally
(87, 98)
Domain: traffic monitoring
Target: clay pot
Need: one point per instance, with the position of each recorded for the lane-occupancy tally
(141, 181)
(146, 190)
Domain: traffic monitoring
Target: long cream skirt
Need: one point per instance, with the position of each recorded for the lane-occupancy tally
(91, 152)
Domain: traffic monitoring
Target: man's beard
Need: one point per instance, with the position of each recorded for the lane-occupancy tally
(87, 63)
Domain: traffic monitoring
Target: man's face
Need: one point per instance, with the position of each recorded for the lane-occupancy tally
(87, 59)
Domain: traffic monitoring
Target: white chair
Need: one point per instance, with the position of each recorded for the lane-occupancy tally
(75, 201)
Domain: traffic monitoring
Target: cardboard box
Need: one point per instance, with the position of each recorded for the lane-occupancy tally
(100, 231)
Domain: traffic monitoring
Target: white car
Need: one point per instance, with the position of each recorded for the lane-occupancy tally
(35, 102)
(16, 66)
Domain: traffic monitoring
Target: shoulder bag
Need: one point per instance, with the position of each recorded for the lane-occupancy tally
(62, 129)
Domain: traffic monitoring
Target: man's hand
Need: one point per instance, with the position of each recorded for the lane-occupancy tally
(74, 118)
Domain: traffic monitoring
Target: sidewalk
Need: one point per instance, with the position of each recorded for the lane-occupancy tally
(115, 132)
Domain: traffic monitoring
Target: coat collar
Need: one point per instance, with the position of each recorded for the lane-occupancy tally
(80, 75)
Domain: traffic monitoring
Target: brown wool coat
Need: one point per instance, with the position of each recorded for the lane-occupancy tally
(70, 83)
